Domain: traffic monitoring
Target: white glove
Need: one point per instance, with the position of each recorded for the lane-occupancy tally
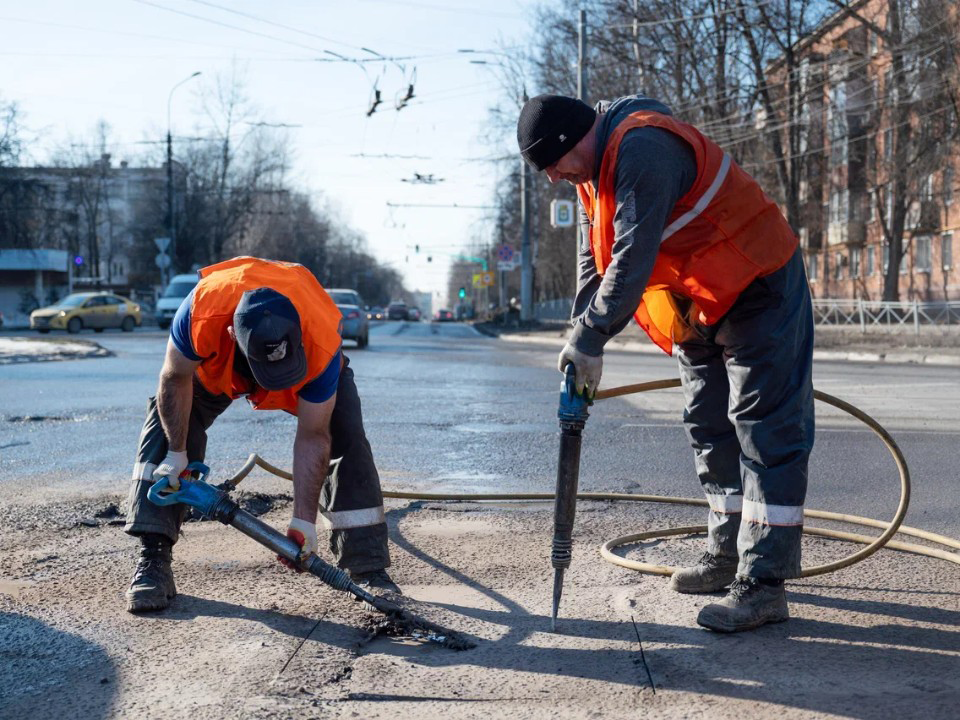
(304, 533)
(172, 467)
(588, 368)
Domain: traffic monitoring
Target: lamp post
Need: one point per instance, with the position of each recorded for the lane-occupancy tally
(171, 224)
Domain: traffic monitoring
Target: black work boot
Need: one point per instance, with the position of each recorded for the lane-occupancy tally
(376, 581)
(749, 604)
(711, 573)
(152, 586)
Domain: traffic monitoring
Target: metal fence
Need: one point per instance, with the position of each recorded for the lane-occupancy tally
(869, 314)
(866, 314)
(554, 310)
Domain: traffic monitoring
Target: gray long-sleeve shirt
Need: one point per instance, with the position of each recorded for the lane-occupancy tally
(655, 168)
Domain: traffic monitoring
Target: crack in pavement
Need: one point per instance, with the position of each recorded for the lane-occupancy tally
(305, 638)
(643, 656)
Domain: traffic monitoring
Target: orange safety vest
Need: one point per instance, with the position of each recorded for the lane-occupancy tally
(724, 233)
(216, 298)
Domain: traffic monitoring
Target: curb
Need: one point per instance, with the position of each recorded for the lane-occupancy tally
(901, 357)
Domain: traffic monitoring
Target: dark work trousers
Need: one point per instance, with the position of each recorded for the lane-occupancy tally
(749, 416)
(351, 503)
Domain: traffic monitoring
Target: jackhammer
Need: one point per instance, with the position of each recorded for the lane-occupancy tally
(573, 416)
(216, 504)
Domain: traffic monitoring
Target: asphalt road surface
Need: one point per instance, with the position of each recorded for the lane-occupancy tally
(449, 410)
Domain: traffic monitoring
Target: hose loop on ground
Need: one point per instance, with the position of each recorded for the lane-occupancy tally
(873, 544)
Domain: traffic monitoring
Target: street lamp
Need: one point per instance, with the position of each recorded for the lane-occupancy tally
(171, 226)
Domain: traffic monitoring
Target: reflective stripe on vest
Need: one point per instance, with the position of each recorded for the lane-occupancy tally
(702, 203)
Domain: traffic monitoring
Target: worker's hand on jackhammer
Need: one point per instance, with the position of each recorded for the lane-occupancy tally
(172, 467)
(588, 368)
(304, 533)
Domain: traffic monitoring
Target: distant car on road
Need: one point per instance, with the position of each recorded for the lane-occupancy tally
(413, 314)
(375, 313)
(168, 303)
(95, 310)
(355, 324)
(443, 315)
(397, 311)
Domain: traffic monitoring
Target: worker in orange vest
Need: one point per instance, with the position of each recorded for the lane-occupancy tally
(268, 331)
(677, 235)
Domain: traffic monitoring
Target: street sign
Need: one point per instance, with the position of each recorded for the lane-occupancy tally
(481, 280)
(162, 260)
(162, 243)
(561, 213)
(505, 253)
(507, 266)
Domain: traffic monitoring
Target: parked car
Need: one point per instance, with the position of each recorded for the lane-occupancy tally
(413, 314)
(355, 324)
(397, 311)
(95, 310)
(168, 303)
(443, 315)
(375, 313)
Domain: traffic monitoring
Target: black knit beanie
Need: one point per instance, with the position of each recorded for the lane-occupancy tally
(549, 127)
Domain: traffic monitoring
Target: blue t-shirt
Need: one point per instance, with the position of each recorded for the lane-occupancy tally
(318, 390)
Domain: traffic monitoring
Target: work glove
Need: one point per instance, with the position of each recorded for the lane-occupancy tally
(588, 368)
(172, 467)
(304, 534)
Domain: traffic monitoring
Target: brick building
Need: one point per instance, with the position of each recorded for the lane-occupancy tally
(849, 120)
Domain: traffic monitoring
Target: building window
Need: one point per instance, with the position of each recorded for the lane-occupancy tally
(855, 263)
(886, 257)
(926, 187)
(838, 269)
(948, 186)
(921, 259)
(812, 267)
(946, 251)
(871, 261)
(873, 207)
(904, 269)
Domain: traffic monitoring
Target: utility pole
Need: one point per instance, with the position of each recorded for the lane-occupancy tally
(526, 253)
(582, 94)
(171, 218)
(636, 47)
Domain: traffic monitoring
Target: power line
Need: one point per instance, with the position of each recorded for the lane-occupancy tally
(227, 25)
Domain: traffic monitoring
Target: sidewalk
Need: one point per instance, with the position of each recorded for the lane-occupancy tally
(941, 347)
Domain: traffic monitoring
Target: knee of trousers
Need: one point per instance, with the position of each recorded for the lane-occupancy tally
(144, 516)
(361, 549)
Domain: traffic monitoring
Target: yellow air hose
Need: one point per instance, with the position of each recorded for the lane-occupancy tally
(873, 544)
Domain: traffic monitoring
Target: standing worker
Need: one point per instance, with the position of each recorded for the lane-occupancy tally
(269, 331)
(677, 235)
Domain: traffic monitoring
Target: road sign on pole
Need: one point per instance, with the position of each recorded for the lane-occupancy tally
(482, 280)
(162, 260)
(162, 243)
(561, 213)
(505, 253)
(507, 266)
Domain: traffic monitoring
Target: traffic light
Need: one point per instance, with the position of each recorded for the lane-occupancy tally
(463, 293)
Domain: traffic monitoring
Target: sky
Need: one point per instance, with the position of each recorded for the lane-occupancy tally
(70, 64)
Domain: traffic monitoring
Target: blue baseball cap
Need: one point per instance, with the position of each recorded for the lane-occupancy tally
(267, 328)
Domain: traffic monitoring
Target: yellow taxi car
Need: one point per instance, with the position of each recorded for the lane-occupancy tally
(95, 310)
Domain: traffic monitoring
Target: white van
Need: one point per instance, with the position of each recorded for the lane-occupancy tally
(179, 287)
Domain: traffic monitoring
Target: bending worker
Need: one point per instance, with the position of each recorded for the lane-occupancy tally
(678, 236)
(269, 331)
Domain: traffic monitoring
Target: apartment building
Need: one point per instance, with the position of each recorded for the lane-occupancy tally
(858, 167)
